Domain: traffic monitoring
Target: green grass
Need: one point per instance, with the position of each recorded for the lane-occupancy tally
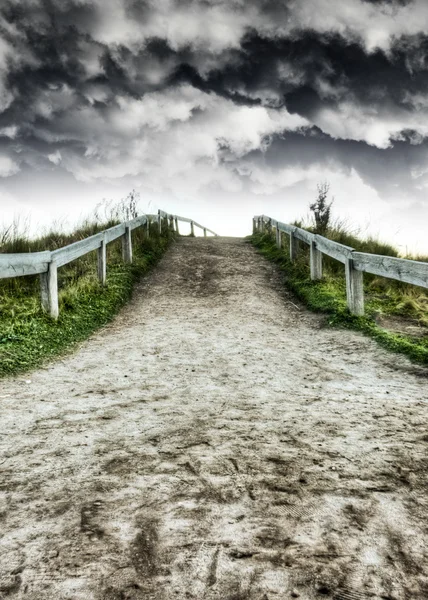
(28, 337)
(383, 297)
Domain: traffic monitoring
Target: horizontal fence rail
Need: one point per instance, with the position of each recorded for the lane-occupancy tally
(46, 263)
(356, 263)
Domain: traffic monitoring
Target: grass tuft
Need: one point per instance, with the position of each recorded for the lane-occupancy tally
(28, 337)
(383, 298)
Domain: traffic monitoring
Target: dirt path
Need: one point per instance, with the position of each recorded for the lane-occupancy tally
(215, 442)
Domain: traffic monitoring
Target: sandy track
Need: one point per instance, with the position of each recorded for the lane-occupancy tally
(216, 442)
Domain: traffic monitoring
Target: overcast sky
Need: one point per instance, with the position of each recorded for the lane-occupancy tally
(217, 110)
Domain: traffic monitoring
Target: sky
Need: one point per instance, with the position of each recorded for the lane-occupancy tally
(217, 110)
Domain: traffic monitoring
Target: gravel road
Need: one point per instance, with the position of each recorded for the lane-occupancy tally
(216, 442)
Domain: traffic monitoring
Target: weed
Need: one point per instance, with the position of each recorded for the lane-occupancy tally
(322, 209)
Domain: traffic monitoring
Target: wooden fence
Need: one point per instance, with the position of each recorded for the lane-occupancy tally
(47, 263)
(356, 263)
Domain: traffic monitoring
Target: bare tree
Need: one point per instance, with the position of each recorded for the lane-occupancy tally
(321, 208)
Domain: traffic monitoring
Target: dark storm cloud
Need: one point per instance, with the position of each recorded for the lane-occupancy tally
(74, 75)
(308, 60)
(386, 170)
(290, 68)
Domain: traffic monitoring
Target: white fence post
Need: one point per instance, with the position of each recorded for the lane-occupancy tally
(176, 225)
(354, 288)
(356, 263)
(205, 232)
(316, 262)
(102, 262)
(293, 247)
(127, 245)
(192, 228)
(159, 222)
(49, 290)
(46, 263)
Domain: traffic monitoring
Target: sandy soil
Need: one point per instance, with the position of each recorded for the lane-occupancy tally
(216, 442)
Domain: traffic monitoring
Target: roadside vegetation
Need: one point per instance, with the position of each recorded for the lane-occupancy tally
(28, 337)
(396, 313)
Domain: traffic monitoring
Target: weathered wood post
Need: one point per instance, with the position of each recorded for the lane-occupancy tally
(278, 237)
(293, 246)
(176, 225)
(127, 245)
(192, 229)
(205, 232)
(254, 225)
(316, 262)
(49, 290)
(354, 288)
(102, 262)
(159, 222)
(171, 222)
(148, 227)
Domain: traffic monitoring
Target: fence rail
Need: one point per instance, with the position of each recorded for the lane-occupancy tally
(46, 263)
(356, 263)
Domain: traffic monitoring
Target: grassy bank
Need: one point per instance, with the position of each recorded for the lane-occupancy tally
(386, 301)
(28, 337)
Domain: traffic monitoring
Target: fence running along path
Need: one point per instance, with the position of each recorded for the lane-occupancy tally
(356, 263)
(47, 263)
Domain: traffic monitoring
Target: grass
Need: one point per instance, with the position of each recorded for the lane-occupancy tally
(28, 337)
(384, 299)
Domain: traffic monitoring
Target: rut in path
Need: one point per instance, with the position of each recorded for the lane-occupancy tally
(215, 442)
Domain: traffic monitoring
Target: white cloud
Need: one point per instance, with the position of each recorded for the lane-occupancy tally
(158, 110)
(55, 158)
(212, 27)
(268, 181)
(11, 132)
(376, 24)
(8, 166)
(6, 95)
(377, 126)
(419, 100)
(166, 135)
